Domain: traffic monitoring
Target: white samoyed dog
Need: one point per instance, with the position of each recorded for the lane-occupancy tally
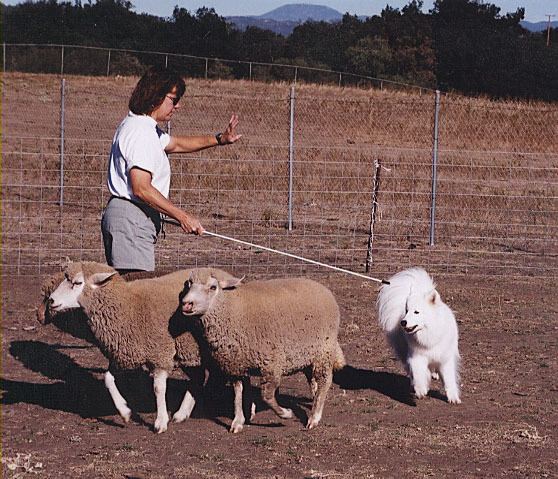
(422, 330)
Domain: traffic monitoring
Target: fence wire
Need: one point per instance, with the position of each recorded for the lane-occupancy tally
(497, 178)
(99, 61)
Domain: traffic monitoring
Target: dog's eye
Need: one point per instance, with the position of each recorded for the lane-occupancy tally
(213, 287)
(416, 312)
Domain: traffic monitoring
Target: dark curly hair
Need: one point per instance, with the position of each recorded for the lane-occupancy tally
(152, 88)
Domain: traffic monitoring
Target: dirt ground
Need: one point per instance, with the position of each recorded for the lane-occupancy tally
(59, 421)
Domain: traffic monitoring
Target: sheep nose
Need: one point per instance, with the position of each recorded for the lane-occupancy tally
(187, 306)
(403, 323)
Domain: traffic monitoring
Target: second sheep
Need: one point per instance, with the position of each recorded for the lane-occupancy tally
(272, 328)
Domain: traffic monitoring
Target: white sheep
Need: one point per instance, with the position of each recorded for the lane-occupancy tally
(272, 328)
(135, 326)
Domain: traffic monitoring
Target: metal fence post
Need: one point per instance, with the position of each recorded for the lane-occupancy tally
(4, 57)
(108, 63)
(434, 168)
(62, 116)
(291, 157)
(373, 211)
(62, 61)
(206, 67)
(250, 71)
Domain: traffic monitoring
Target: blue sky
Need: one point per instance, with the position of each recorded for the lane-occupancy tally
(535, 10)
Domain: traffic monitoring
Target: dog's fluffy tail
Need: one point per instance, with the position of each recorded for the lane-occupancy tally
(392, 298)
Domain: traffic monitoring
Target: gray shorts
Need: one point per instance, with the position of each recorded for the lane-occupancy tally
(129, 234)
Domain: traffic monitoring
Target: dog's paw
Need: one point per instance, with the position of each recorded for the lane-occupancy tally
(454, 400)
(420, 393)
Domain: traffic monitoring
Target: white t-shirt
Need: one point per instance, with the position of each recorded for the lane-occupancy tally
(138, 142)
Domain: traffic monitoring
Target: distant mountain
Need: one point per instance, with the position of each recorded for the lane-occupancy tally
(281, 27)
(283, 20)
(537, 26)
(300, 12)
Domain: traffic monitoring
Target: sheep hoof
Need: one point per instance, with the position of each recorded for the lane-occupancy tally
(312, 423)
(160, 429)
(236, 428)
(179, 417)
(454, 400)
(161, 426)
(286, 414)
(126, 415)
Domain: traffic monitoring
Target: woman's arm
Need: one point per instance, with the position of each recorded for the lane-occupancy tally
(189, 144)
(145, 191)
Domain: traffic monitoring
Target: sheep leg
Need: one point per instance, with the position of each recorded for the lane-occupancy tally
(269, 388)
(323, 380)
(239, 419)
(252, 411)
(311, 381)
(160, 388)
(249, 398)
(196, 382)
(117, 398)
(185, 408)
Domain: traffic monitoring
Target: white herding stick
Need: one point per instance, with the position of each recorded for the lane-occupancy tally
(228, 238)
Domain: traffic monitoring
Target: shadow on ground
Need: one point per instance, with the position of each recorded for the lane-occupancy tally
(395, 386)
(80, 390)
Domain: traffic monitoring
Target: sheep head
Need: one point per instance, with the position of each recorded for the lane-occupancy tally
(200, 291)
(78, 276)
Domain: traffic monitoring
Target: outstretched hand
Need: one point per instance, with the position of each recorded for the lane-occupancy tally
(229, 135)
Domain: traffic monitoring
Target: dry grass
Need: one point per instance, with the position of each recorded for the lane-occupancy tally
(496, 190)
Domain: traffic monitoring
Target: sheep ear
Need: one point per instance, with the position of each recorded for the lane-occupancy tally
(231, 283)
(98, 280)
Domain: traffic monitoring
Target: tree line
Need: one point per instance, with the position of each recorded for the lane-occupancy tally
(459, 45)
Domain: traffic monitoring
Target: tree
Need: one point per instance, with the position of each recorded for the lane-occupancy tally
(371, 56)
(258, 45)
(461, 45)
(315, 42)
(478, 51)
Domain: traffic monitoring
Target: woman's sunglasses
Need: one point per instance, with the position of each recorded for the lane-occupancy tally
(175, 99)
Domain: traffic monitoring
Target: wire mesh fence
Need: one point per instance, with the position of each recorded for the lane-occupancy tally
(99, 61)
(496, 185)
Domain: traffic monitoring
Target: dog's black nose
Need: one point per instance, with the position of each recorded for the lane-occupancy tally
(50, 301)
(403, 323)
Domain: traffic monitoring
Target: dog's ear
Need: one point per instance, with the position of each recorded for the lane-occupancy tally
(434, 297)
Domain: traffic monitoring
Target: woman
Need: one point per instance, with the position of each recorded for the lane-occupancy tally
(139, 172)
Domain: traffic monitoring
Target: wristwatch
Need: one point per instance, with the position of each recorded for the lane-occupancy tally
(219, 137)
